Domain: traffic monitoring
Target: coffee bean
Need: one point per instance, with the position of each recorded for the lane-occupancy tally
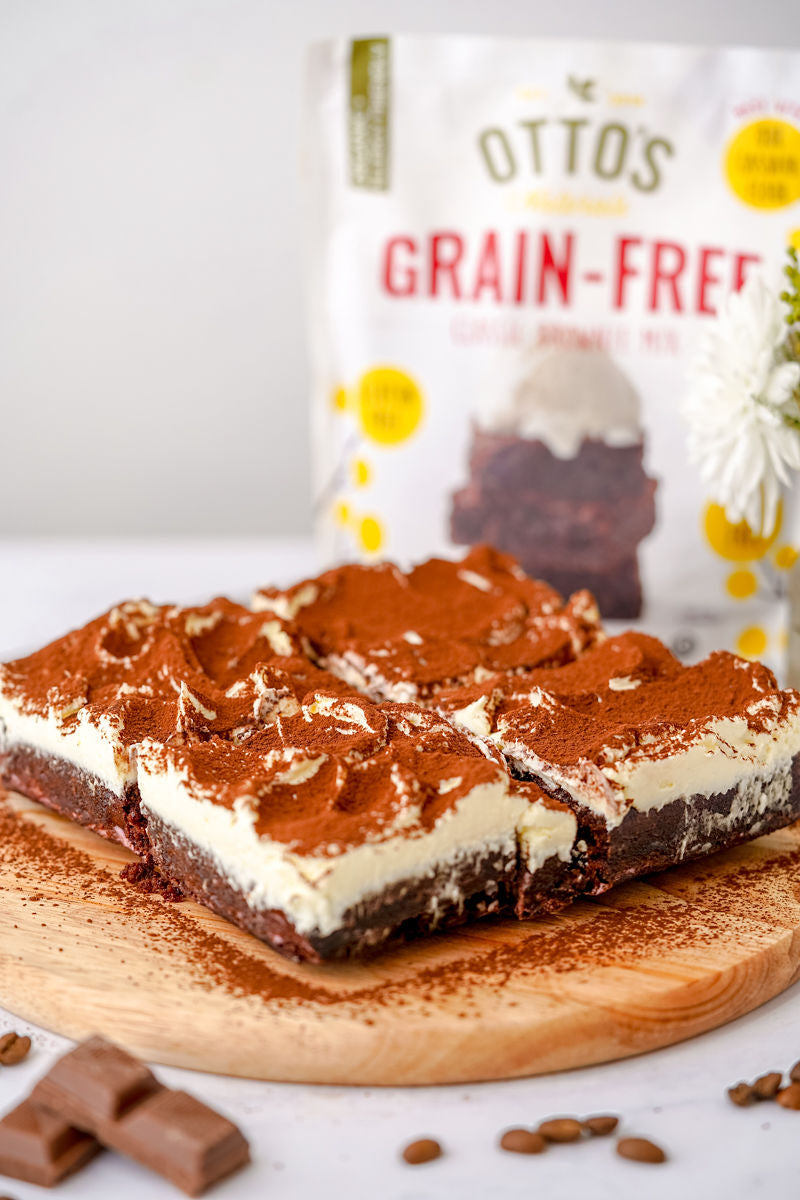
(561, 1129)
(741, 1094)
(600, 1126)
(13, 1049)
(766, 1087)
(789, 1097)
(522, 1141)
(794, 1074)
(422, 1151)
(640, 1150)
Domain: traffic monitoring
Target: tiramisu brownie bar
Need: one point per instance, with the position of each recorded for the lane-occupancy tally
(402, 636)
(336, 828)
(661, 762)
(73, 713)
(323, 825)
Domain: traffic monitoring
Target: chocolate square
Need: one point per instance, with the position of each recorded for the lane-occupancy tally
(183, 1139)
(40, 1146)
(104, 1078)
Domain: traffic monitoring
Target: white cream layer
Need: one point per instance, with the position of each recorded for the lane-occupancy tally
(723, 754)
(92, 745)
(365, 677)
(474, 717)
(315, 891)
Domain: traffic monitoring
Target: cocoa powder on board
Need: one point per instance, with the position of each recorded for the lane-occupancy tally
(485, 956)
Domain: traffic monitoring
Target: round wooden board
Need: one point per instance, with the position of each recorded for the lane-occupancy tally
(651, 964)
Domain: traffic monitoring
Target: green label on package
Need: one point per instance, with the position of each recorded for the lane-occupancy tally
(369, 114)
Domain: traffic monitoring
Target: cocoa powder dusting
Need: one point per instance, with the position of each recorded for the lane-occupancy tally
(338, 771)
(440, 621)
(142, 670)
(221, 694)
(590, 936)
(630, 695)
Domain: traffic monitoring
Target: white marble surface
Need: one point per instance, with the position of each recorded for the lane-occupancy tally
(312, 1141)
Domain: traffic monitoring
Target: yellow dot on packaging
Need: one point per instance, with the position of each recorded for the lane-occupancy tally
(341, 513)
(362, 472)
(370, 534)
(339, 399)
(785, 557)
(390, 405)
(741, 584)
(752, 642)
(736, 543)
(762, 163)
(794, 239)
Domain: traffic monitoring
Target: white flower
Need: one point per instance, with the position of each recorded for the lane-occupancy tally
(743, 415)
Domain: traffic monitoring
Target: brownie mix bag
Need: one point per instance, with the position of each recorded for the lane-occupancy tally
(546, 313)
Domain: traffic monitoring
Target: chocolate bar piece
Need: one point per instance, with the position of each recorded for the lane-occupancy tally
(101, 1089)
(40, 1146)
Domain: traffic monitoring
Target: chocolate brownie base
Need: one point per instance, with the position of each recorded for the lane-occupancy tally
(643, 843)
(173, 866)
(483, 886)
(685, 829)
(584, 874)
(70, 790)
(553, 887)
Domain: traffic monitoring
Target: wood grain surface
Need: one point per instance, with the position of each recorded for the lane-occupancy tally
(650, 964)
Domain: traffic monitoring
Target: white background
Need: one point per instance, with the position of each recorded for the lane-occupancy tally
(152, 373)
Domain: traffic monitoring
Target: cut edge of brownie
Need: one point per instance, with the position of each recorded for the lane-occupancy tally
(642, 844)
(471, 887)
(684, 829)
(590, 849)
(496, 884)
(690, 828)
(73, 792)
(69, 789)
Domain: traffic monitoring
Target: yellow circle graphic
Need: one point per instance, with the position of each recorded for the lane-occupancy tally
(736, 543)
(341, 513)
(370, 534)
(390, 405)
(752, 642)
(762, 163)
(741, 584)
(361, 471)
(785, 557)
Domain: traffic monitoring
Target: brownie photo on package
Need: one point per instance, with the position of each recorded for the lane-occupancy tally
(557, 479)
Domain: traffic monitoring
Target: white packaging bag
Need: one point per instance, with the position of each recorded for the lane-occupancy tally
(516, 248)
